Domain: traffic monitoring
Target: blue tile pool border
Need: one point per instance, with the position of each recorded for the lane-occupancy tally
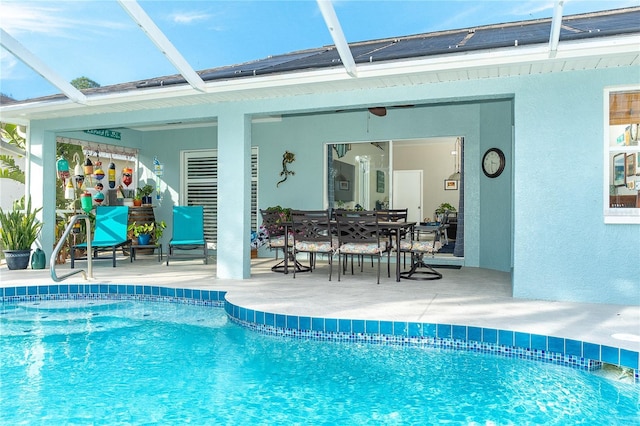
(111, 291)
(557, 350)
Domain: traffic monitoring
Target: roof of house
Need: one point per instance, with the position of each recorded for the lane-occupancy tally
(508, 37)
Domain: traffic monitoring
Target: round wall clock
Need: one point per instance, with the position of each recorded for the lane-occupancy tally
(493, 162)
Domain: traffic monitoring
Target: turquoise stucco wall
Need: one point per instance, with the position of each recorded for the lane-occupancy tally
(542, 218)
(563, 250)
(496, 198)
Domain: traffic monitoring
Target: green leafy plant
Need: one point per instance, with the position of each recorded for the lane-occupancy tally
(145, 191)
(19, 228)
(285, 212)
(150, 228)
(445, 207)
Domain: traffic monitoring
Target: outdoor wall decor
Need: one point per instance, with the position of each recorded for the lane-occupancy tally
(342, 149)
(630, 162)
(450, 185)
(379, 181)
(619, 169)
(287, 158)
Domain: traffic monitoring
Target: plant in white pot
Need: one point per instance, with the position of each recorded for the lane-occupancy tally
(19, 229)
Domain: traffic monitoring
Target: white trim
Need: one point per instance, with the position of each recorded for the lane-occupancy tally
(33, 62)
(556, 24)
(335, 29)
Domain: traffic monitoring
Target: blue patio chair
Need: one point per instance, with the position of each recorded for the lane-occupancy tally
(110, 234)
(188, 233)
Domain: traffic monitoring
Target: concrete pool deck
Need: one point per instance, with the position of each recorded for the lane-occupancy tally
(467, 296)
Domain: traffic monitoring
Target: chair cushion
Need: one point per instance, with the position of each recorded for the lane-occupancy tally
(363, 248)
(102, 244)
(279, 241)
(426, 246)
(315, 246)
(186, 242)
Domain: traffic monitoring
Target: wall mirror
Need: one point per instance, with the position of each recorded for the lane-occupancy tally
(357, 175)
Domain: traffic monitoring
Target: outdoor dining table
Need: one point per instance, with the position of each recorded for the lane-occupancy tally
(393, 228)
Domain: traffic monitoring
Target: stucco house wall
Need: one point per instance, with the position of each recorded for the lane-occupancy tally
(542, 218)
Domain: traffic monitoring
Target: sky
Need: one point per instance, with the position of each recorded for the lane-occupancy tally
(98, 40)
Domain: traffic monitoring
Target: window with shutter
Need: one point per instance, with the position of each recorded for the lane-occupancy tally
(200, 187)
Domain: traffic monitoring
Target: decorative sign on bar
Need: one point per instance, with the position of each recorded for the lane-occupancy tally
(104, 132)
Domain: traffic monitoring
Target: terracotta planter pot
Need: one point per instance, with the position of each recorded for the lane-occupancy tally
(137, 202)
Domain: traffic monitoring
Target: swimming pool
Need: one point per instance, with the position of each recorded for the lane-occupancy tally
(131, 362)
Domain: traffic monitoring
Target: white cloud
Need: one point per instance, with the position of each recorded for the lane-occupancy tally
(189, 17)
(29, 18)
(9, 63)
(532, 7)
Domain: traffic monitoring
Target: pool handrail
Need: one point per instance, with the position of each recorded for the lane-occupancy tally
(56, 250)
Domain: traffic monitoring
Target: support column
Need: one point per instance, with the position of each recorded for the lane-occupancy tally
(234, 196)
(40, 182)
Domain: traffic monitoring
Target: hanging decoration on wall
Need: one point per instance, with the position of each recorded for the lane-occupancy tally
(85, 201)
(158, 169)
(287, 158)
(69, 192)
(98, 172)
(78, 172)
(112, 174)
(127, 176)
(98, 198)
(88, 168)
(62, 166)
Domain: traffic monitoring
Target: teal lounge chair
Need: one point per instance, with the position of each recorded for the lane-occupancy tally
(188, 233)
(110, 233)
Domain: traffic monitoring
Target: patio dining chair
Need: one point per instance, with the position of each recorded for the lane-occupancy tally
(312, 234)
(358, 234)
(188, 234)
(274, 223)
(110, 234)
(393, 215)
(419, 249)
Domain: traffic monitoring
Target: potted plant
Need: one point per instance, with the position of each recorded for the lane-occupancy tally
(19, 229)
(443, 209)
(145, 194)
(145, 231)
(284, 212)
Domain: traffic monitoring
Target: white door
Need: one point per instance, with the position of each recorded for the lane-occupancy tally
(407, 192)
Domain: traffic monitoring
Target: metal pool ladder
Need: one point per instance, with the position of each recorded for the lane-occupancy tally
(54, 255)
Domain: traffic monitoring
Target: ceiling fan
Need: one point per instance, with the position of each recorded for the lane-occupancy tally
(381, 111)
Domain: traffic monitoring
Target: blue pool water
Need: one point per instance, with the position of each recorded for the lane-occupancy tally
(127, 362)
